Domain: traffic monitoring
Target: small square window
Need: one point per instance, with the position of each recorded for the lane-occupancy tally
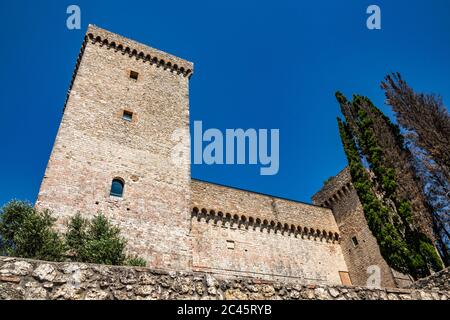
(134, 75)
(230, 244)
(127, 115)
(354, 241)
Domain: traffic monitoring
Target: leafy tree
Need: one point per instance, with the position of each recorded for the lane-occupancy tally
(379, 218)
(425, 118)
(27, 233)
(382, 145)
(426, 123)
(76, 237)
(387, 195)
(11, 217)
(97, 241)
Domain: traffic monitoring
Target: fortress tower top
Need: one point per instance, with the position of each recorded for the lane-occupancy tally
(139, 51)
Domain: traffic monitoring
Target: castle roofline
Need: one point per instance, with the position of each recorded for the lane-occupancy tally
(133, 49)
(139, 50)
(332, 189)
(259, 193)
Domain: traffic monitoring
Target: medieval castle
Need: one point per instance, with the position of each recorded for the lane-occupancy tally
(111, 156)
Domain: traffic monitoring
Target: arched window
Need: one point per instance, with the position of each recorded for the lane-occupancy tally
(117, 186)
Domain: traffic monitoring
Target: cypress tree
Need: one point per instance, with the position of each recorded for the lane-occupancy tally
(426, 123)
(368, 134)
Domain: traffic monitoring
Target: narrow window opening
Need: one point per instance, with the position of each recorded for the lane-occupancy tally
(117, 186)
(127, 115)
(354, 241)
(230, 244)
(134, 75)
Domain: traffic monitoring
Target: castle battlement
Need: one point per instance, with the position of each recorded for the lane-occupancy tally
(133, 49)
(261, 210)
(250, 223)
(334, 189)
(139, 51)
(112, 155)
(359, 246)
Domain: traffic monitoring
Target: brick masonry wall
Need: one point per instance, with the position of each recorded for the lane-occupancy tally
(257, 235)
(249, 204)
(31, 280)
(339, 195)
(94, 145)
(228, 240)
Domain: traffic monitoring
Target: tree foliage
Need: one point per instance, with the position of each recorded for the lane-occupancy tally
(382, 145)
(426, 123)
(425, 118)
(135, 261)
(95, 241)
(365, 136)
(26, 232)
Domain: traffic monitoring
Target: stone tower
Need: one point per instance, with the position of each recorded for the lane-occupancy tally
(126, 107)
(359, 246)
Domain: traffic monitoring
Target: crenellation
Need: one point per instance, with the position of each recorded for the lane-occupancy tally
(273, 210)
(251, 224)
(339, 195)
(174, 222)
(77, 65)
(95, 145)
(334, 190)
(139, 51)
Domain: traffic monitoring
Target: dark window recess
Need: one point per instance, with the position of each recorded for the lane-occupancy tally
(134, 75)
(117, 186)
(230, 244)
(354, 241)
(127, 115)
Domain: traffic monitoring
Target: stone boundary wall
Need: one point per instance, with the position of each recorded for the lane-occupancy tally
(31, 279)
(437, 281)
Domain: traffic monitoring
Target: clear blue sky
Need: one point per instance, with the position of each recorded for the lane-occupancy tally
(257, 65)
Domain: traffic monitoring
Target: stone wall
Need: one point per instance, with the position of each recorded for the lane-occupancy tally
(437, 281)
(30, 279)
(228, 248)
(275, 237)
(237, 202)
(359, 246)
(248, 234)
(94, 145)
